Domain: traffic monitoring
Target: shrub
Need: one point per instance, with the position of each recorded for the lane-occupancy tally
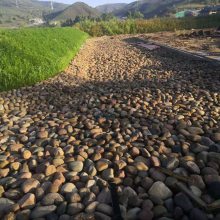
(134, 26)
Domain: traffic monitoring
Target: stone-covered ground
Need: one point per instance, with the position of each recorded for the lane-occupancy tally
(115, 115)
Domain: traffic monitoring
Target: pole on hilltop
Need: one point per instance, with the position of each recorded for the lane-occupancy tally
(16, 2)
(51, 4)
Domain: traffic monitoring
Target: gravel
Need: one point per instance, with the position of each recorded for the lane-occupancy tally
(116, 114)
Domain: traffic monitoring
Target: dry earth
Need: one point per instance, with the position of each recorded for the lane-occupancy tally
(202, 42)
(115, 115)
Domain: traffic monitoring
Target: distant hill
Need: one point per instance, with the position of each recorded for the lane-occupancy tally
(149, 8)
(195, 4)
(10, 15)
(76, 9)
(108, 8)
(152, 8)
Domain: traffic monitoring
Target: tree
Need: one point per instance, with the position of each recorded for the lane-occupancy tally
(77, 19)
(68, 22)
(107, 17)
(135, 15)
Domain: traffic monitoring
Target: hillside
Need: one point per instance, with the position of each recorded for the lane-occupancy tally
(158, 8)
(10, 15)
(196, 4)
(149, 8)
(108, 8)
(76, 9)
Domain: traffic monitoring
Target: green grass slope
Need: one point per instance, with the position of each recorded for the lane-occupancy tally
(35, 54)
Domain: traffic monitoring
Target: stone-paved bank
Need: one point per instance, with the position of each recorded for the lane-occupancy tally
(116, 114)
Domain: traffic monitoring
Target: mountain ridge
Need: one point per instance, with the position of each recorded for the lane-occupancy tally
(108, 8)
(10, 15)
(74, 10)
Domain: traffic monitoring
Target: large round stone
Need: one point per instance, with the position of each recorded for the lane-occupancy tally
(160, 190)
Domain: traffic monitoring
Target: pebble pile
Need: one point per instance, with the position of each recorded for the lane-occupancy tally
(115, 115)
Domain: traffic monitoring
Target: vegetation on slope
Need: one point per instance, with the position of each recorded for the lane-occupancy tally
(74, 10)
(194, 4)
(31, 55)
(109, 8)
(10, 15)
(159, 8)
(134, 26)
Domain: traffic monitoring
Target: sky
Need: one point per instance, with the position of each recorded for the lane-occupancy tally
(94, 2)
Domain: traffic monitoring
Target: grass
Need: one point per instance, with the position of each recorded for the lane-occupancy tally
(115, 26)
(35, 54)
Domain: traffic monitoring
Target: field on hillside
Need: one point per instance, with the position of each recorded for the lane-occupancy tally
(136, 26)
(31, 55)
(190, 6)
